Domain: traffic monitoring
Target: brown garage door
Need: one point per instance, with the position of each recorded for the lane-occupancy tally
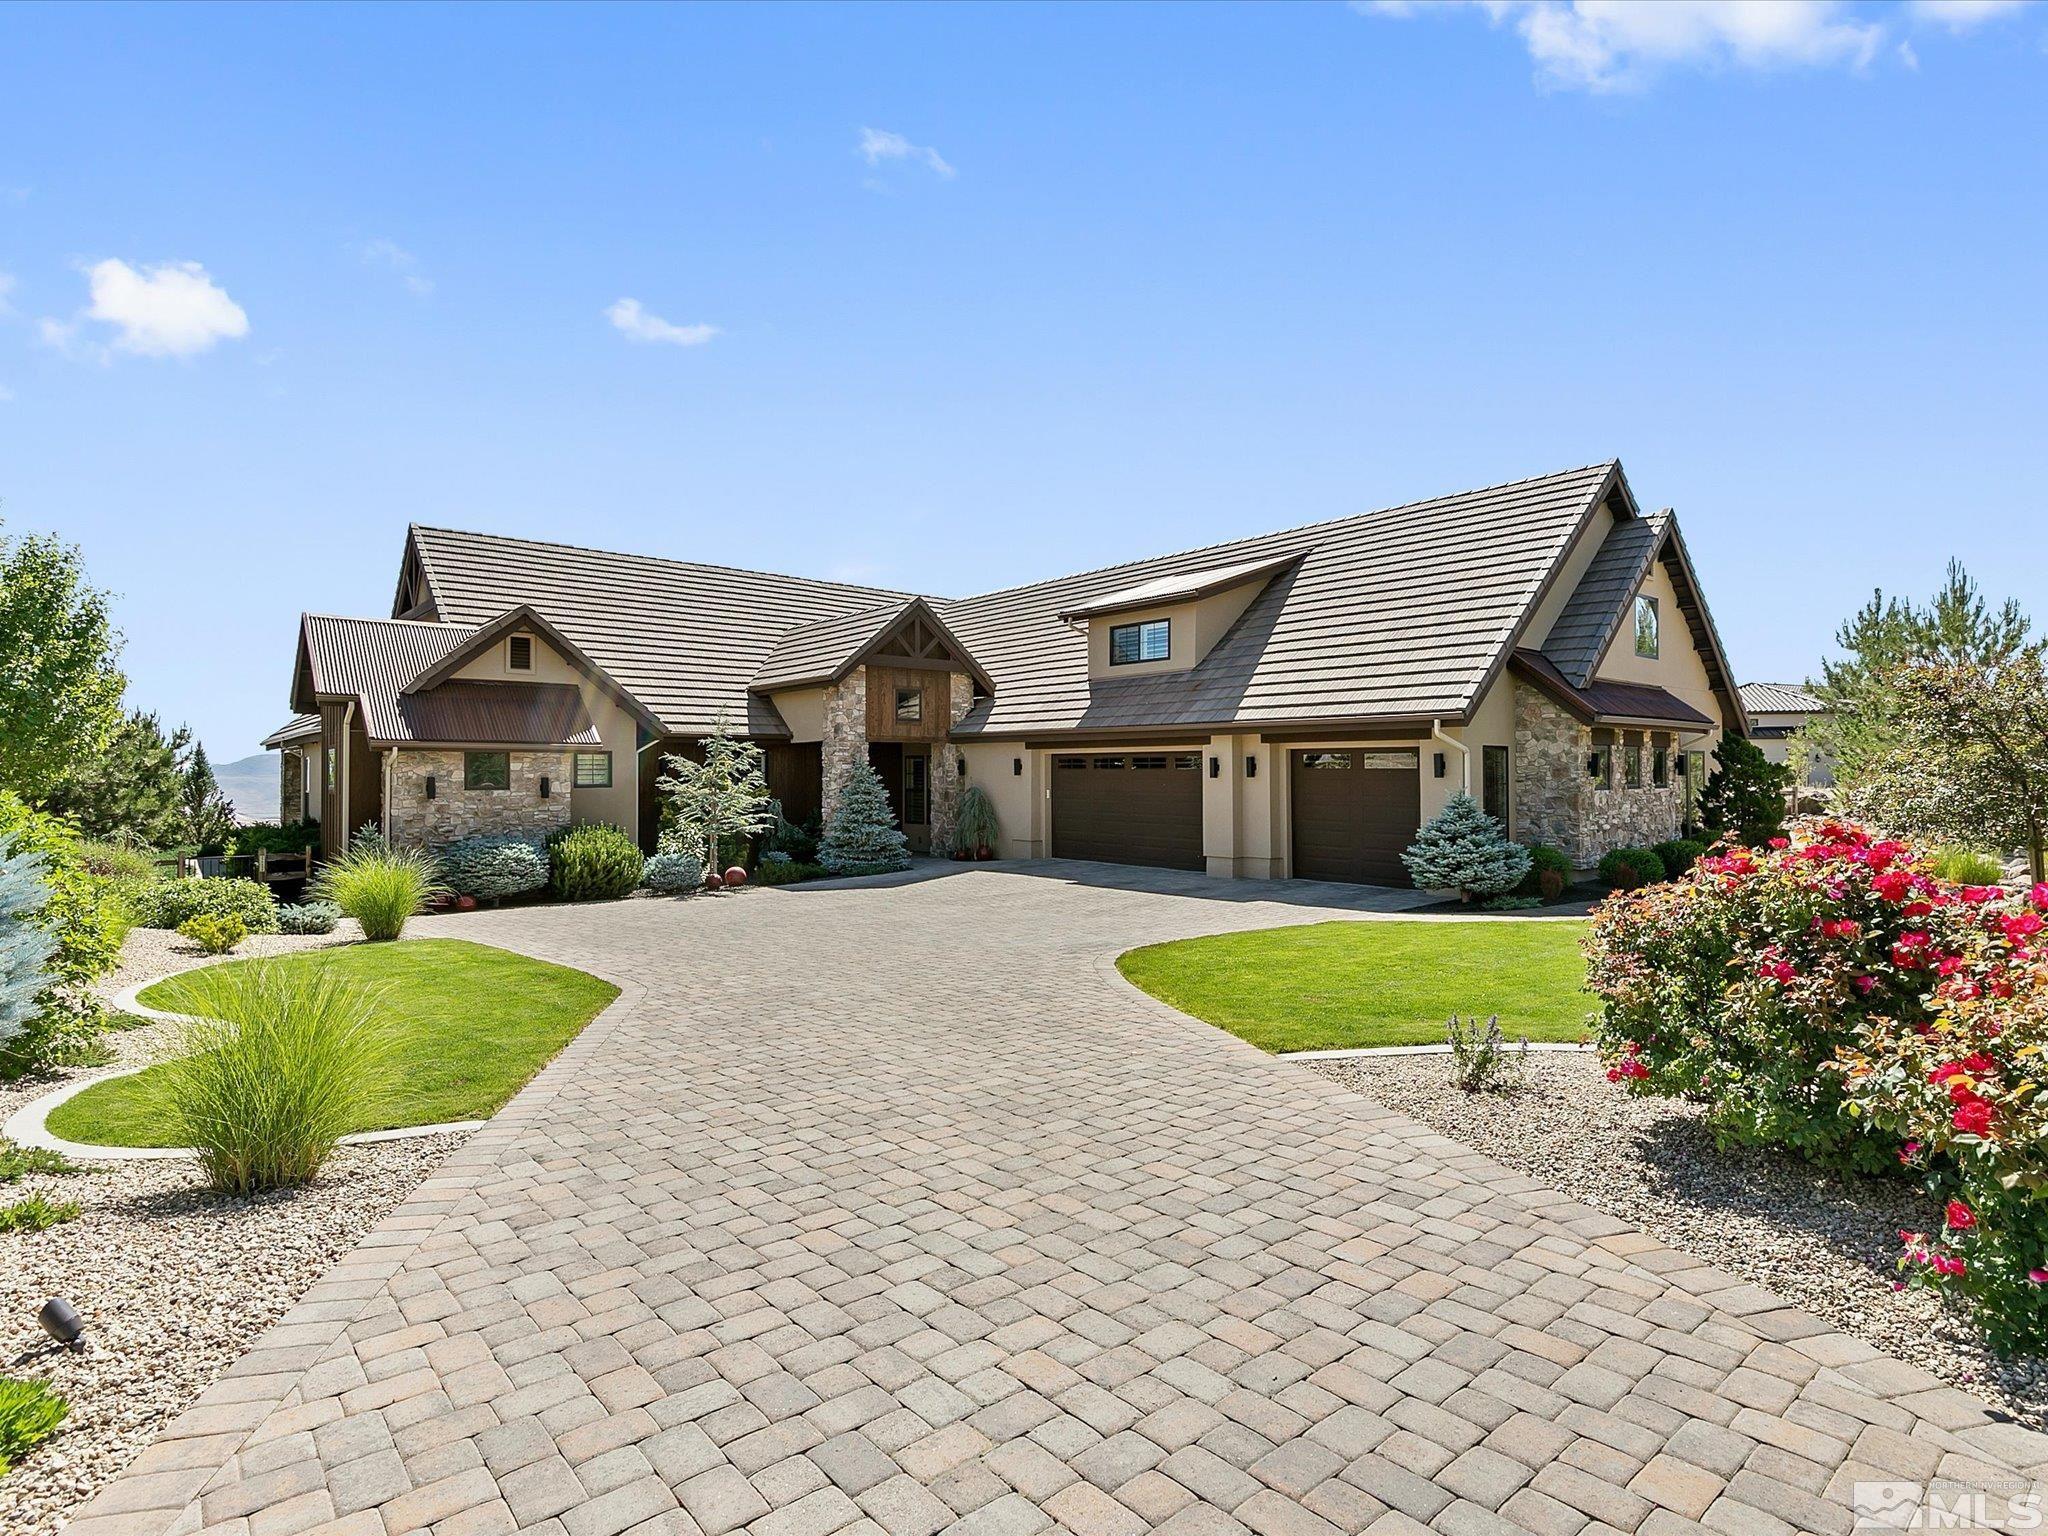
(1129, 809)
(1354, 812)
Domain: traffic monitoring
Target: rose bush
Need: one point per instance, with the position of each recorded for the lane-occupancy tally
(1830, 994)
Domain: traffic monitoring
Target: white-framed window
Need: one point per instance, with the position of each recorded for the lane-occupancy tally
(1147, 640)
(519, 653)
(593, 770)
(1646, 626)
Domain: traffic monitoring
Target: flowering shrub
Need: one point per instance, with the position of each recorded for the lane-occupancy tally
(1958, 1093)
(1829, 994)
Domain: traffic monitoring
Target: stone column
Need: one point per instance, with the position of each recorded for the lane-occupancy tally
(944, 777)
(291, 786)
(844, 740)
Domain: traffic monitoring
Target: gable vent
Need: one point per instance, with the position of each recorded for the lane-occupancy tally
(519, 653)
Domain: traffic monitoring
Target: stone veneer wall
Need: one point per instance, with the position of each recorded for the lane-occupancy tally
(944, 775)
(844, 739)
(291, 786)
(455, 812)
(1557, 803)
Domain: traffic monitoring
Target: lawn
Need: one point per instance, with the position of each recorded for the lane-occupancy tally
(1329, 986)
(474, 1023)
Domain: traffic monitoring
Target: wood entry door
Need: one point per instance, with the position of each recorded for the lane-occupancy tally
(1356, 810)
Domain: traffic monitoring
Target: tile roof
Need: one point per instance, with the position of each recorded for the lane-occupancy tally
(815, 652)
(1780, 699)
(1403, 613)
(1179, 588)
(1580, 635)
(685, 639)
(294, 729)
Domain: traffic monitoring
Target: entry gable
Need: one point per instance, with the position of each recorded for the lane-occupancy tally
(525, 622)
(905, 634)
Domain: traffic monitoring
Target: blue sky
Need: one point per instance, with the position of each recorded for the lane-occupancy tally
(955, 297)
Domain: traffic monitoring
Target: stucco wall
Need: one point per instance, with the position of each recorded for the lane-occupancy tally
(1196, 626)
(1019, 798)
(455, 812)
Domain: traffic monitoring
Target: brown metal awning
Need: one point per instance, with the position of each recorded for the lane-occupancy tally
(501, 714)
(1607, 703)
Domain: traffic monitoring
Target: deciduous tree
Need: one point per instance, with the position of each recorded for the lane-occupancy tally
(60, 691)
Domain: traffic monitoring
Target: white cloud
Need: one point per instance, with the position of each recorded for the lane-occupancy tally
(1612, 45)
(1963, 15)
(171, 310)
(393, 257)
(878, 144)
(630, 320)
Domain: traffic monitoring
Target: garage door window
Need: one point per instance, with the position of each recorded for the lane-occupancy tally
(1397, 760)
(1102, 763)
(1331, 761)
(1070, 762)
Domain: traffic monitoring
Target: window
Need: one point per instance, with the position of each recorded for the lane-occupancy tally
(1400, 760)
(593, 770)
(1695, 764)
(330, 769)
(1660, 768)
(1632, 761)
(1149, 641)
(1191, 760)
(1331, 760)
(1070, 762)
(914, 790)
(909, 703)
(1600, 766)
(1646, 626)
(486, 770)
(1109, 762)
(1148, 762)
(519, 654)
(1493, 782)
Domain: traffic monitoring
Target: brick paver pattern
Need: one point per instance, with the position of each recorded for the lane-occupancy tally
(895, 1210)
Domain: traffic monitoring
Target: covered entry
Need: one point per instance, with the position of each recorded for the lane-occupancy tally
(1125, 808)
(1355, 811)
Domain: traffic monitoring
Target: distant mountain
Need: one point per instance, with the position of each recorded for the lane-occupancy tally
(250, 783)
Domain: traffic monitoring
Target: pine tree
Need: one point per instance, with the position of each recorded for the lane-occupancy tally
(716, 805)
(862, 837)
(134, 791)
(1745, 793)
(1462, 848)
(24, 947)
(209, 818)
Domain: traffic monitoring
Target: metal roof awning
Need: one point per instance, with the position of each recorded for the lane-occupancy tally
(499, 714)
(1606, 703)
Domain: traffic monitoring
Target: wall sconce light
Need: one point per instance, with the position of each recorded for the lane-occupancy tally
(1016, 767)
(430, 786)
(543, 787)
(1439, 764)
(61, 1321)
(1251, 767)
(1215, 767)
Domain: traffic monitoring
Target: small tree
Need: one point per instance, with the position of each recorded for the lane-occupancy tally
(24, 947)
(1745, 793)
(1979, 735)
(716, 805)
(861, 836)
(134, 791)
(1462, 848)
(60, 692)
(209, 818)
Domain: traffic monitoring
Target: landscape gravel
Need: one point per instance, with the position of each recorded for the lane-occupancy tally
(173, 1280)
(1825, 1241)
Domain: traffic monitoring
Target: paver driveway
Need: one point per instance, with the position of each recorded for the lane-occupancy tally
(896, 1209)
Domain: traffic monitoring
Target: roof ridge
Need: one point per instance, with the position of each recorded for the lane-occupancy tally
(1275, 533)
(697, 565)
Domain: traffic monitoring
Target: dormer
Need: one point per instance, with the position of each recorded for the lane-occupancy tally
(1170, 623)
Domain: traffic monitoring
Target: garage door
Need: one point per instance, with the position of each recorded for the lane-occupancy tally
(1354, 813)
(1129, 809)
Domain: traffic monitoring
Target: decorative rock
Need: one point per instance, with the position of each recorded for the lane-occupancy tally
(714, 881)
(735, 876)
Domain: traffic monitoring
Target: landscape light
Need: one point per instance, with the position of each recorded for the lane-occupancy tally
(61, 1321)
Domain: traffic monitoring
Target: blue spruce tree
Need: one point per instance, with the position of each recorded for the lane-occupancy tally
(24, 948)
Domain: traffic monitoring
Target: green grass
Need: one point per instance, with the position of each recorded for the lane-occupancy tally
(472, 1023)
(1332, 986)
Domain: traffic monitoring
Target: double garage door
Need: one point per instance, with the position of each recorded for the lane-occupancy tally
(1354, 811)
(1129, 808)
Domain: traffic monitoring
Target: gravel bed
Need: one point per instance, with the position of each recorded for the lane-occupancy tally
(1824, 1241)
(175, 1282)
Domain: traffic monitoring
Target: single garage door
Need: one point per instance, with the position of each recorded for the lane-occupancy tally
(1129, 809)
(1354, 813)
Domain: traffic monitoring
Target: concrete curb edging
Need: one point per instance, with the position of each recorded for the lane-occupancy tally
(1424, 1050)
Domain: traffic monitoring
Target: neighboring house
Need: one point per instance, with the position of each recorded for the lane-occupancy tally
(1779, 712)
(1292, 704)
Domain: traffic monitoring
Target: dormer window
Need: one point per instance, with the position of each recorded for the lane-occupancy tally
(519, 653)
(1150, 640)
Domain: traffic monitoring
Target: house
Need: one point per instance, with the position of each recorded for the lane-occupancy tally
(1294, 704)
(1778, 715)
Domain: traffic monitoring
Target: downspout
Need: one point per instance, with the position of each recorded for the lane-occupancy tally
(384, 811)
(348, 715)
(1436, 733)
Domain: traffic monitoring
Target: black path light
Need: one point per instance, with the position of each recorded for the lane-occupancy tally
(61, 1321)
